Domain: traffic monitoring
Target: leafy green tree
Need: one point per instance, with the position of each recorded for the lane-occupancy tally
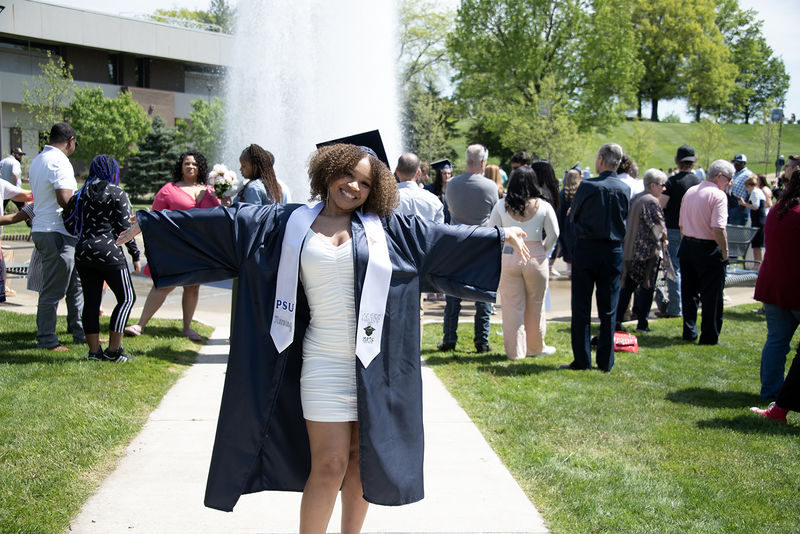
(110, 126)
(520, 62)
(768, 135)
(151, 166)
(45, 98)
(642, 144)
(542, 127)
(761, 75)
(710, 137)
(683, 53)
(424, 26)
(205, 129)
(219, 13)
(429, 122)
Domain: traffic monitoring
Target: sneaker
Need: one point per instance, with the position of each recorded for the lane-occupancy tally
(554, 273)
(773, 411)
(547, 350)
(96, 356)
(116, 356)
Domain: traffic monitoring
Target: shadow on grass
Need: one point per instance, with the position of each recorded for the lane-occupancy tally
(751, 424)
(520, 368)
(711, 398)
(744, 315)
(435, 357)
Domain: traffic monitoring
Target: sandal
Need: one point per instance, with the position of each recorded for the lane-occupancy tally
(192, 335)
(133, 330)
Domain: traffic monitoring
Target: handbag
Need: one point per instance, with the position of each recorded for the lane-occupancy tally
(625, 342)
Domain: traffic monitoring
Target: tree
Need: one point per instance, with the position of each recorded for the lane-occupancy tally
(768, 135)
(45, 98)
(541, 126)
(429, 122)
(110, 126)
(205, 129)
(640, 148)
(423, 41)
(761, 76)
(151, 166)
(683, 56)
(219, 15)
(512, 57)
(710, 138)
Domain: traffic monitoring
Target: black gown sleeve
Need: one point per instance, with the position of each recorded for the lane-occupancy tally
(202, 245)
(460, 260)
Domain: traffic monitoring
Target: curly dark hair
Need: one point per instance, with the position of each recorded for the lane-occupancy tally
(521, 188)
(263, 164)
(332, 161)
(202, 167)
(790, 196)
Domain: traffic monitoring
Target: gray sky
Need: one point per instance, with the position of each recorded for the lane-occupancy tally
(774, 13)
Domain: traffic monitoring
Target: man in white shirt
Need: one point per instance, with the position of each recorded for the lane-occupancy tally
(415, 200)
(11, 172)
(53, 184)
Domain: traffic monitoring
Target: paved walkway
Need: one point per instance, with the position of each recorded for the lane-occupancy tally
(159, 484)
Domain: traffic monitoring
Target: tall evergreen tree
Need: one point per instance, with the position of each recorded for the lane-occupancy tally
(151, 167)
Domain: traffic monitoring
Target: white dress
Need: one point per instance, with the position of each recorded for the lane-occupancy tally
(328, 376)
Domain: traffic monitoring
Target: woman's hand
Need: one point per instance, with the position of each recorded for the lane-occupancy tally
(741, 202)
(514, 237)
(130, 233)
(137, 267)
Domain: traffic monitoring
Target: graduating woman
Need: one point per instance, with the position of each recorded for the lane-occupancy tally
(323, 389)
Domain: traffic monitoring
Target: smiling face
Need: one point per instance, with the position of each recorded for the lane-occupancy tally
(347, 192)
(189, 169)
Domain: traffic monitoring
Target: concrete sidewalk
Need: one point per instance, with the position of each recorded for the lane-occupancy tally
(158, 486)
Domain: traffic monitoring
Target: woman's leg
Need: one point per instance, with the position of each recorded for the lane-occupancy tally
(191, 294)
(92, 284)
(155, 299)
(119, 282)
(512, 296)
(536, 275)
(330, 453)
(354, 507)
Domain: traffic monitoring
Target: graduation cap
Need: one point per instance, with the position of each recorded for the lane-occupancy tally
(369, 141)
(441, 164)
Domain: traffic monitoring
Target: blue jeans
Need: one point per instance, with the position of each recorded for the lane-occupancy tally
(781, 325)
(59, 279)
(452, 308)
(738, 215)
(674, 286)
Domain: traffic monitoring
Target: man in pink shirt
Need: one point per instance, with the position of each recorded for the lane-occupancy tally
(703, 253)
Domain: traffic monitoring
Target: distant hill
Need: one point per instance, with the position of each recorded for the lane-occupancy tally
(667, 137)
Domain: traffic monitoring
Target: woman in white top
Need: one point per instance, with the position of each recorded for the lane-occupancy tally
(523, 284)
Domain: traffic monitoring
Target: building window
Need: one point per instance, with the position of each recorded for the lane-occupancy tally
(15, 135)
(142, 72)
(114, 64)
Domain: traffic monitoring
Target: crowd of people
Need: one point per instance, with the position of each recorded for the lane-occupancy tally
(346, 276)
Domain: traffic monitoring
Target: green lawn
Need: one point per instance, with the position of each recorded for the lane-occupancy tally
(663, 443)
(65, 421)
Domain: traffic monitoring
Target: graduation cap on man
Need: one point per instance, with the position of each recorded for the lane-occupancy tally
(370, 141)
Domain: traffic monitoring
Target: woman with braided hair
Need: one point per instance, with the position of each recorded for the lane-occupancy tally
(97, 214)
(262, 187)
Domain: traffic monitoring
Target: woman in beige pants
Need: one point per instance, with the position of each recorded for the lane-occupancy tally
(523, 284)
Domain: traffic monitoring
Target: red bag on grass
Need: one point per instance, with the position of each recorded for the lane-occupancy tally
(625, 342)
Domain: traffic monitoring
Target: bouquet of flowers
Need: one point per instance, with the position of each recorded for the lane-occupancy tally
(225, 181)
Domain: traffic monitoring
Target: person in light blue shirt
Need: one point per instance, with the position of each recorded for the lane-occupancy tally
(262, 186)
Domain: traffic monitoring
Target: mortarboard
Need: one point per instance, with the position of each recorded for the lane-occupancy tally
(441, 164)
(369, 141)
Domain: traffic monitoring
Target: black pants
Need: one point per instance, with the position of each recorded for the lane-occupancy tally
(702, 282)
(596, 264)
(789, 396)
(119, 281)
(642, 302)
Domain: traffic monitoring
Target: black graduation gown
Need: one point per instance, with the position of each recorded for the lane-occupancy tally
(261, 441)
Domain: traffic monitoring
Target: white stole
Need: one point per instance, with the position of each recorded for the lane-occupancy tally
(372, 308)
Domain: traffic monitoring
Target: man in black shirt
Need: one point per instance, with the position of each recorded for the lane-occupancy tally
(599, 211)
(670, 200)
